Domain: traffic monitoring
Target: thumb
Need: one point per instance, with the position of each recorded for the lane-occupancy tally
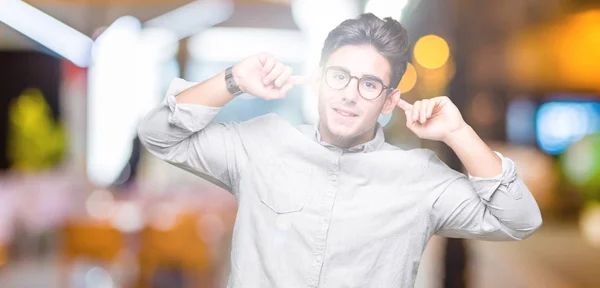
(404, 105)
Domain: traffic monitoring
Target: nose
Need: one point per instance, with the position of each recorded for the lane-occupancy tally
(350, 93)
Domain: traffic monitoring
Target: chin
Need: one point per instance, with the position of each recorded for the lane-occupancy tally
(342, 132)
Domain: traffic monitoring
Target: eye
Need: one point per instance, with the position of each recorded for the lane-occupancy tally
(370, 85)
(340, 77)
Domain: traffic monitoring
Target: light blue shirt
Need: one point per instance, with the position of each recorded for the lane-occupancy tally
(312, 214)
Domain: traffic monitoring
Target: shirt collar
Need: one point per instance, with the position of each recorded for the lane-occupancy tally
(370, 146)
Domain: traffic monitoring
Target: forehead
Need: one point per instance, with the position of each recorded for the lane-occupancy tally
(361, 60)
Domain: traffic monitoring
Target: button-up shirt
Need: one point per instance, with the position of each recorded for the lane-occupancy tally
(311, 214)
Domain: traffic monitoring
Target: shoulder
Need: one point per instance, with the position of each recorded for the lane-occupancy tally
(419, 155)
(430, 166)
(411, 163)
(438, 175)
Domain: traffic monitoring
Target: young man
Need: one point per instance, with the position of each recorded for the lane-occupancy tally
(334, 205)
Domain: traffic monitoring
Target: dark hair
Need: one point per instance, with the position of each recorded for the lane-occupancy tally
(388, 36)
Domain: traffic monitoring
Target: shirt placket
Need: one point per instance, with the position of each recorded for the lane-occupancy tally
(324, 216)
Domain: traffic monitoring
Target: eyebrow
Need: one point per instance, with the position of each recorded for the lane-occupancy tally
(363, 76)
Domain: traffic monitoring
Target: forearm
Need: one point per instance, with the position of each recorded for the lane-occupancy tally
(477, 157)
(212, 93)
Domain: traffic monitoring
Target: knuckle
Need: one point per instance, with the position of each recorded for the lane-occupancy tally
(266, 57)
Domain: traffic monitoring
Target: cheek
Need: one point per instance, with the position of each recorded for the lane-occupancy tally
(326, 97)
(324, 105)
(370, 115)
(373, 109)
(323, 99)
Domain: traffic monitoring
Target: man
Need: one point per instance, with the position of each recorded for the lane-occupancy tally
(334, 205)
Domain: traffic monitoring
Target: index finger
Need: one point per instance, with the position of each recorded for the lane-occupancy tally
(404, 105)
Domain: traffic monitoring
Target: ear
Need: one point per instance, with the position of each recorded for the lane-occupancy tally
(391, 102)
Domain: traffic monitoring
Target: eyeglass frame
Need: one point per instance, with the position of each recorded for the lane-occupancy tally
(342, 69)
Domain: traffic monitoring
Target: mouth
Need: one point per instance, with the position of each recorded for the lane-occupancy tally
(345, 113)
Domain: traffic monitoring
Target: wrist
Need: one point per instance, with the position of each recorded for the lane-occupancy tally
(236, 77)
(232, 81)
(459, 135)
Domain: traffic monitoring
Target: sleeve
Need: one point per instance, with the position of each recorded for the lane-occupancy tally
(499, 208)
(185, 135)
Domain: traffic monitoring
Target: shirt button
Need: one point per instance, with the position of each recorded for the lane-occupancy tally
(333, 177)
(324, 220)
(319, 259)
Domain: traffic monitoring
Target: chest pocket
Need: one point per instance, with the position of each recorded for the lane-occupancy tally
(285, 187)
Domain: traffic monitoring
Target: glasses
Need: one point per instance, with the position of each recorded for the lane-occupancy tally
(368, 86)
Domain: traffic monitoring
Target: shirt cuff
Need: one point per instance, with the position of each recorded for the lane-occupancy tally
(487, 186)
(191, 117)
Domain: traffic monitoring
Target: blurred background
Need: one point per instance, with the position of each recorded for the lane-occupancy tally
(83, 205)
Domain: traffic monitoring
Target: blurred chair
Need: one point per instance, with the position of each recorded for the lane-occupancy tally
(178, 247)
(95, 241)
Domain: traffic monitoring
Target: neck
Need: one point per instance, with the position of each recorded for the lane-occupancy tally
(343, 142)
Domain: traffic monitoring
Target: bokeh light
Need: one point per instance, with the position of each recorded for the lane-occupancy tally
(561, 123)
(433, 82)
(100, 205)
(164, 217)
(520, 121)
(589, 224)
(128, 217)
(562, 55)
(431, 51)
(578, 50)
(409, 79)
(98, 277)
(581, 165)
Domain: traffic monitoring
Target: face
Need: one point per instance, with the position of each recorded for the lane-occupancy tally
(347, 118)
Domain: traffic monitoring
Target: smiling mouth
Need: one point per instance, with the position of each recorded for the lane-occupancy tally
(345, 113)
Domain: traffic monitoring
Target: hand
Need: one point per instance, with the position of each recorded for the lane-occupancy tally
(432, 119)
(264, 77)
